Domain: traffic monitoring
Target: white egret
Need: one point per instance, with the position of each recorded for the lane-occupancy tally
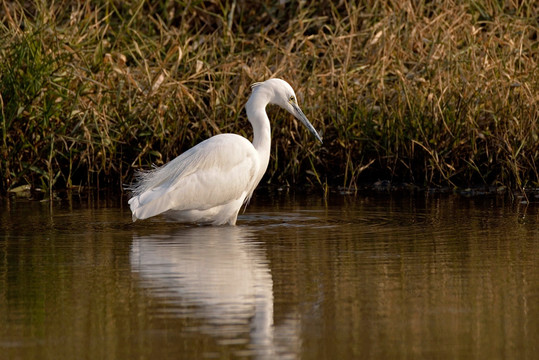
(211, 181)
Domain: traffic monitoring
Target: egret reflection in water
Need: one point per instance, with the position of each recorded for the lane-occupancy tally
(219, 275)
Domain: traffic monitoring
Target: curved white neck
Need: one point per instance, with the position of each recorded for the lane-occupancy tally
(256, 113)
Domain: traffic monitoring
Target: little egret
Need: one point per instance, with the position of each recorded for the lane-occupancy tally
(211, 181)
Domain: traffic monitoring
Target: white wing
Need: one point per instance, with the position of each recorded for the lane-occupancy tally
(216, 171)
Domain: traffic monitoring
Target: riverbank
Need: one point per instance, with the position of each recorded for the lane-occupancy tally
(437, 95)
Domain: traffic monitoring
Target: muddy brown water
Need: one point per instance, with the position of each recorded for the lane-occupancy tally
(300, 277)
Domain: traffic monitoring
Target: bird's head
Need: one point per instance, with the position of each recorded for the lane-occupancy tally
(281, 93)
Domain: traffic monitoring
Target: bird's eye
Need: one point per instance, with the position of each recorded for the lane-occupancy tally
(292, 99)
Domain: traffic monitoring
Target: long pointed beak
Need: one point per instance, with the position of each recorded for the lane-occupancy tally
(301, 117)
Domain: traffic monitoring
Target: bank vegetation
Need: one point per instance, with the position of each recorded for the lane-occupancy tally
(432, 93)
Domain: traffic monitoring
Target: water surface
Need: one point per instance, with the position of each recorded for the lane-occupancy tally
(374, 276)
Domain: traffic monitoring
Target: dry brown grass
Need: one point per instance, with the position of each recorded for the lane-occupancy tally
(435, 93)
